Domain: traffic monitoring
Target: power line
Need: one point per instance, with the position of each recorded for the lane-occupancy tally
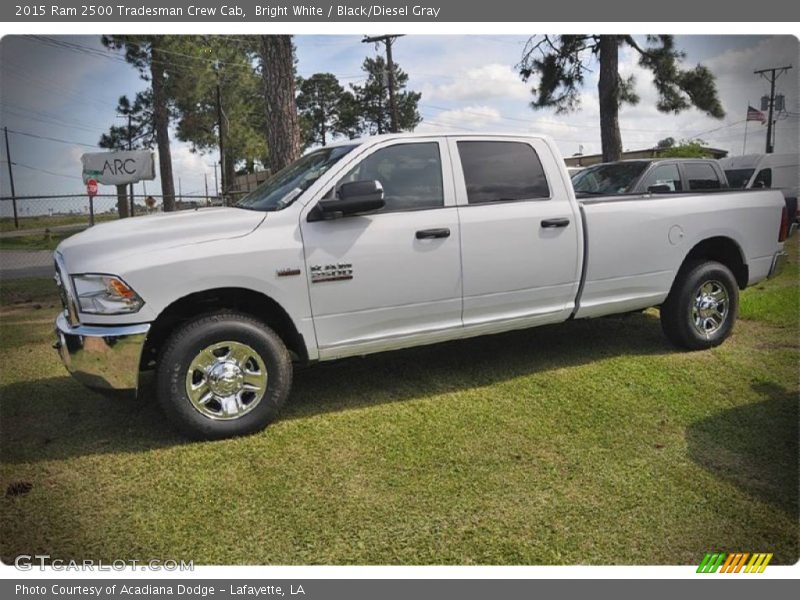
(50, 86)
(43, 113)
(51, 139)
(443, 125)
(458, 127)
(719, 128)
(546, 123)
(110, 55)
(51, 121)
(24, 166)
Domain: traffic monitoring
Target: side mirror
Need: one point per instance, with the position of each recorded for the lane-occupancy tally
(659, 189)
(354, 198)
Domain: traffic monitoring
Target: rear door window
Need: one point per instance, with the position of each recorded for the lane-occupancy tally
(738, 178)
(701, 176)
(663, 175)
(502, 172)
(763, 179)
(609, 178)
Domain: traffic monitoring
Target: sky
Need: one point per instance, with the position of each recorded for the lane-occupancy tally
(467, 82)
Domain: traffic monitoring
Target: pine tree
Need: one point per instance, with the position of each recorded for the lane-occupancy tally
(372, 99)
(326, 109)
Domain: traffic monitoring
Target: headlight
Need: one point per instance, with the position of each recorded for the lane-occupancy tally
(105, 295)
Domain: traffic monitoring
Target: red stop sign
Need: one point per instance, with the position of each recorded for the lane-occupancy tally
(91, 187)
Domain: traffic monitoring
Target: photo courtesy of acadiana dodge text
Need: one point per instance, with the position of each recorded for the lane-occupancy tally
(399, 300)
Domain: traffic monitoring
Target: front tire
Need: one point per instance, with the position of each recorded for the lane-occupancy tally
(223, 375)
(701, 308)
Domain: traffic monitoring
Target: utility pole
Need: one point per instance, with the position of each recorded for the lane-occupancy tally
(771, 75)
(180, 192)
(130, 147)
(216, 182)
(388, 40)
(205, 180)
(11, 180)
(221, 141)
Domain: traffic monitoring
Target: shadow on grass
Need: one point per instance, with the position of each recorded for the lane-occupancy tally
(755, 447)
(56, 418)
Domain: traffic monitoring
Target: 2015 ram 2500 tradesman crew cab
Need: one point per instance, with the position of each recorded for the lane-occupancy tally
(384, 243)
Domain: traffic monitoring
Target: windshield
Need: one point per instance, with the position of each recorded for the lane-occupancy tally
(611, 178)
(738, 178)
(283, 188)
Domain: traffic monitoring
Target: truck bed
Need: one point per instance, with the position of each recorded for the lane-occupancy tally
(635, 243)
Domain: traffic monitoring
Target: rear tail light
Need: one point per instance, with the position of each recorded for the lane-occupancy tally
(783, 233)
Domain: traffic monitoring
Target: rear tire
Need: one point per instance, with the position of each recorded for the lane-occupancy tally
(223, 375)
(701, 308)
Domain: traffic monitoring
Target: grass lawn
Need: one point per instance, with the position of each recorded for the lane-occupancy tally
(44, 221)
(592, 442)
(38, 241)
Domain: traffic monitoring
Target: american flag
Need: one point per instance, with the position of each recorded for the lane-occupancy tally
(754, 114)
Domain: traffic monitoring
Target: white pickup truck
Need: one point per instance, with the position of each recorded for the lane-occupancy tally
(391, 242)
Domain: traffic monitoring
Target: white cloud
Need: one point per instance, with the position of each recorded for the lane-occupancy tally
(492, 80)
(468, 118)
(184, 159)
(772, 51)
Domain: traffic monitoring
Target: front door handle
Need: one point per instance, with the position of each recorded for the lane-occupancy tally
(553, 223)
(429, 234)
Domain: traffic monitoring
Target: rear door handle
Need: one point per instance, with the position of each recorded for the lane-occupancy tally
(429, 234)
(553, 223)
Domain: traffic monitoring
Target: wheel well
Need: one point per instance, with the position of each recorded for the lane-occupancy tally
(244, 300)
(723, 250)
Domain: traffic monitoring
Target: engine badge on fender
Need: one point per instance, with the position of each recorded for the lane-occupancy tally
(331, 272)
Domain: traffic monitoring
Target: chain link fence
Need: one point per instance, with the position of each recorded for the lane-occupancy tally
(32, 226)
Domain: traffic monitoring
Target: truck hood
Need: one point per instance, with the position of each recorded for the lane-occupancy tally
(104, 243)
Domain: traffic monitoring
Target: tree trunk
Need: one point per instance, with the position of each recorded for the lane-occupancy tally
(283, 128)
(161, 119)
(608, 88)
(122, 201)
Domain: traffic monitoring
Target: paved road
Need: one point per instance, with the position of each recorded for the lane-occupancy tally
(19, 264)
(75, 227)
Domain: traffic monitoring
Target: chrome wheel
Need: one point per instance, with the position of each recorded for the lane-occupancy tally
(226, 380)
(710, 308)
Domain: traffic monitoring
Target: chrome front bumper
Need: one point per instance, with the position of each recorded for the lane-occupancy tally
(777, 263)
(102, 358)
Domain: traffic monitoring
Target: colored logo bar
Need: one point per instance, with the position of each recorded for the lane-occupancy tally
(735, 562)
